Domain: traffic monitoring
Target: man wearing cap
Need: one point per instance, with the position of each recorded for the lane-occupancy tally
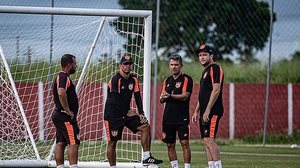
(209, 104)
(118, 114)
(176, 93)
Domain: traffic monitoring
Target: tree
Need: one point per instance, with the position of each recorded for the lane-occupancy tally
(228, 25)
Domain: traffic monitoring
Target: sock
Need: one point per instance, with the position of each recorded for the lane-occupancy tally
(218, 164)
(187, 165)
(211, 164)
(73, 166)
(174, 163)
(60, 166)
(146, 155)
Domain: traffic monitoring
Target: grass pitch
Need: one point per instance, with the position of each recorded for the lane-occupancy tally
(236, 155)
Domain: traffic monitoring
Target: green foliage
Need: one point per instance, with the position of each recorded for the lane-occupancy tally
(281, 72)
(228, 25)
(274, 138)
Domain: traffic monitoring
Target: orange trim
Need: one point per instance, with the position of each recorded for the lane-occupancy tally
(71, 134)
(185, 83)
(119, 85)
(221, 74)
(164, 86)
(107, 129)
(211, 71)
(57, 82)
(213, 126)
(136, 85)
(68, 83)
(109, 84)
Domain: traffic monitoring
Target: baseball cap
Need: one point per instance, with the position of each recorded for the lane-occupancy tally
(126, 59)
(204, 48)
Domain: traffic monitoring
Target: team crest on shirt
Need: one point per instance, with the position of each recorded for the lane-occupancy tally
(204, 76)
(130, 86)
(178, 84)
(114, 133)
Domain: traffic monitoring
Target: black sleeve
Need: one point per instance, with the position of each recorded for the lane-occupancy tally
(138, 101)
(114, 91)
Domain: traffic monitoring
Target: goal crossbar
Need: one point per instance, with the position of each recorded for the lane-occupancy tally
(147, 15)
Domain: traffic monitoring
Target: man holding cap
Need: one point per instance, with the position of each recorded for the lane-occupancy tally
(118, 114)
(209, 104)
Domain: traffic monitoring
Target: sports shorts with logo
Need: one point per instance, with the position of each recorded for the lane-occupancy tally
(169, 132)
(67, 129)
(114, 126)
(210, 128)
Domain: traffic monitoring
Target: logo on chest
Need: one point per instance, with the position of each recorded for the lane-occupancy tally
(130, 86)
(178, 84)
(204, 76)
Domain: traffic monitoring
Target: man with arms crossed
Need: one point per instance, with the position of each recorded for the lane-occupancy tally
(209, 104)
(64, 115)
(176, 93)
(117, 113)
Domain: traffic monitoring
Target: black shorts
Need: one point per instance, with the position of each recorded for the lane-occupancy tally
(169, 133)
(210, 128)
(114, 126)
(67, 129)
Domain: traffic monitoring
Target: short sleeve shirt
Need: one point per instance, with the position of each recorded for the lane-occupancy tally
(124, 88)
(62, 80)
(211, 74)
(177, 112)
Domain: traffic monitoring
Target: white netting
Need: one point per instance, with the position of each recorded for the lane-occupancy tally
(26, 41)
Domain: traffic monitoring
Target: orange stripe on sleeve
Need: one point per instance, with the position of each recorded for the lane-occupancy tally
(71, 134)
(57, 82)
(211, 71)
(221, 74)
(68, 83)
(185, 83)
(213, 126)
(164, 86)
(119, 85)
(107, 130)
(136, 85)
(109, 84)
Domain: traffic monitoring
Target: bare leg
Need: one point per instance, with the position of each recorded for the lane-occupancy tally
(172, 152)
(111, 152)
(212, 149)
(59, 153)
(145, 136)
(73, 154)
(186, 151)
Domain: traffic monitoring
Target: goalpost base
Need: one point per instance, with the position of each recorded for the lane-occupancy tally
(44, 163)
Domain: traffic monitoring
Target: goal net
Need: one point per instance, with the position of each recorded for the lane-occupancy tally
(32, 40)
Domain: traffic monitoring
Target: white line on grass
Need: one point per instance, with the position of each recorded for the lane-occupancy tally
(245, 154)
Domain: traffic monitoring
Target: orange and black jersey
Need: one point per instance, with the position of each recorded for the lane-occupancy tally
(211, 74)
(119, 96)
(63, 80)
(177, 112)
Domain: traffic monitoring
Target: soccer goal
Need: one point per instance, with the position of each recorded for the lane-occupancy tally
(32, 41)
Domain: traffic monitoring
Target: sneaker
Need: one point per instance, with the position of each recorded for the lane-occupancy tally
(152, 160)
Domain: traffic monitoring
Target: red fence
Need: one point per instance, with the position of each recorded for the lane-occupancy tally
(249, 110)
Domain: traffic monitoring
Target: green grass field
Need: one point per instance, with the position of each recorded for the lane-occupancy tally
(237, 155)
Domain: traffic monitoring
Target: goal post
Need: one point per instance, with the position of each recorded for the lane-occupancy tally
(30, 59)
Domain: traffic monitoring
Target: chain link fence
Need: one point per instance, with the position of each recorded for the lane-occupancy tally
(239, 31)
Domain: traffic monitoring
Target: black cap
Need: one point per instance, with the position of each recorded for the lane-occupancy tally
(126, 59)
(204, 48)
